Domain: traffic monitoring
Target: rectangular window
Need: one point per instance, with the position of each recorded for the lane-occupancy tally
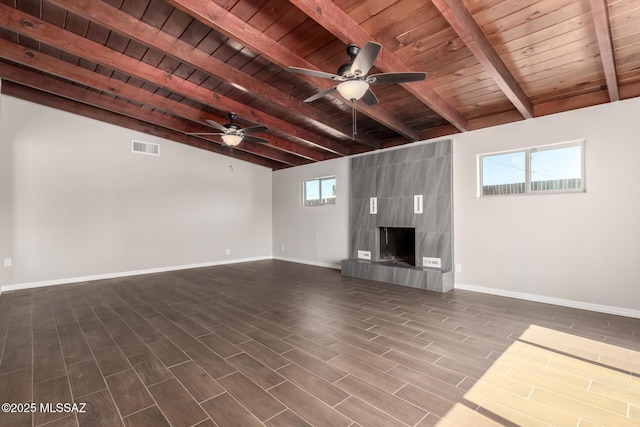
(552, 168)
(319, 191)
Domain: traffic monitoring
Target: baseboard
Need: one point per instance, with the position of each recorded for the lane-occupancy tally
(304, 261)
(19, 286)
(619, 311)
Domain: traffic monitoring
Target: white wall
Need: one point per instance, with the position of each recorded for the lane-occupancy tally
(316, 235)
(577, 247)
(580, 250)
(76, 202)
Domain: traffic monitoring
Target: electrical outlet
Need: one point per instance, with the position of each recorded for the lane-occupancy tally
(7, 262)
(458, 268)
(282, 248)
(228, 251)
(364, 255)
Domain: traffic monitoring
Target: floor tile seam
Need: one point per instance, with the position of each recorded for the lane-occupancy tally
(300, 415)
(607, 411)
(382, 411)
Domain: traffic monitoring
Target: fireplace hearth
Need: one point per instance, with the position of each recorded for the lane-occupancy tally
(397, 245)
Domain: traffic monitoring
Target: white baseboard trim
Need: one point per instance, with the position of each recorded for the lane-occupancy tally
(620, 311)
(304, 261)
(19, 286)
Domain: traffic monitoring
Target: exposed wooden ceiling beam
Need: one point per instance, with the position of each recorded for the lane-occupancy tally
(73, 73)
(459, 17)
(605, 44)
(38, 97)
(125, 24)
(223, 21)
(39, 30)
(337, 22)
(78, 94)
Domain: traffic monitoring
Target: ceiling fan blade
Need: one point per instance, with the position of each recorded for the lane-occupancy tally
(320, 95)
(254, 129)
(203, 133)
(255, 139)
(369, 98)
(216, 125)
(365, 59)
(392, 78)
(314, 73)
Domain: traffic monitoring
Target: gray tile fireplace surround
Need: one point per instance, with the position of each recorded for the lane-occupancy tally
(394, 177)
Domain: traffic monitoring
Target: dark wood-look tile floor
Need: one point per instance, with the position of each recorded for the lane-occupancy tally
(271, 343)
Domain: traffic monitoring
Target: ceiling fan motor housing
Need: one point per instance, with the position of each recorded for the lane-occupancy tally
(345, 69)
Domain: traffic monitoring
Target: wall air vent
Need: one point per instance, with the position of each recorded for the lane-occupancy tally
(145, 148)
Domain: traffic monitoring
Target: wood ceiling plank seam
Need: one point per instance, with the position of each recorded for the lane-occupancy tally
(559, 46)
(575, 69)
(219, 19)
(575, 12)
(498, 10)
(362, 11)
(94, 99)
(581, 101)
(11, 18)
(340, 24)
(473, 37)
(161, 12)
(541, 37)
(267, 15)
(535, 13)
(620, 7)
(73, 73)
(53, 101)
(605, 44)
(181, 51)
(587, 55)
(246, 10)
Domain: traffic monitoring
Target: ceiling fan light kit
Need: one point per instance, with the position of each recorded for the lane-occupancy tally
(231, 139)
(353, 90)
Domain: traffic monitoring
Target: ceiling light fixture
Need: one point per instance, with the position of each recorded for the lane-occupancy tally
(232, 139)
(352, 90)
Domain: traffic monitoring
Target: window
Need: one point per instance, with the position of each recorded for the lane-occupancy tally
(319, 191)
(552, 168)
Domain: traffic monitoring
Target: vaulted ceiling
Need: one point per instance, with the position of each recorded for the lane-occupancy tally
(164, 67)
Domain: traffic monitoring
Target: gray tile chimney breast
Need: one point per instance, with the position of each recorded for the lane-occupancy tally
(394, 177)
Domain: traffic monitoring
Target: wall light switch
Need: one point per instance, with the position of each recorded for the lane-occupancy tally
(458, 268)
(417, 204)
(7, 262)
(373, 205)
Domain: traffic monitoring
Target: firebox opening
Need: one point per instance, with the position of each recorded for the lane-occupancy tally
(398, 245)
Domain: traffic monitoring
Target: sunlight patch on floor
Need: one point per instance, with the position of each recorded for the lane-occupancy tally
(552, 378)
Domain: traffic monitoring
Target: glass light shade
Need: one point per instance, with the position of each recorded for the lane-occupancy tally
(231, 139)
(353, 89)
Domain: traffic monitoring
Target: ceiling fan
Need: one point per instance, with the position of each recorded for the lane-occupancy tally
(232, 134)
(353, 75)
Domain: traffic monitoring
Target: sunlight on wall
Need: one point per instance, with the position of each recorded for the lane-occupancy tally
(548, 377)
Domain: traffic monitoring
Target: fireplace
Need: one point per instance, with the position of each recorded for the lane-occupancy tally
(398, 245)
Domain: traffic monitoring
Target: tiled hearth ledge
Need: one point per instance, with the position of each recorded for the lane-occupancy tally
(431, 279)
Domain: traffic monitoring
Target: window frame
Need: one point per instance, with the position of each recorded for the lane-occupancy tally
(322, 202)
(528, 152)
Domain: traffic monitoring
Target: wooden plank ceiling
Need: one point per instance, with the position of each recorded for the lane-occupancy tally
(166, 66)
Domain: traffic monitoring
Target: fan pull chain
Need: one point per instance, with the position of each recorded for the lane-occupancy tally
(231, 162)
(354, 129)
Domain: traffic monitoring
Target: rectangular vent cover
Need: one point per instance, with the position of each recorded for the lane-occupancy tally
(431, 262)
(146, 148)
